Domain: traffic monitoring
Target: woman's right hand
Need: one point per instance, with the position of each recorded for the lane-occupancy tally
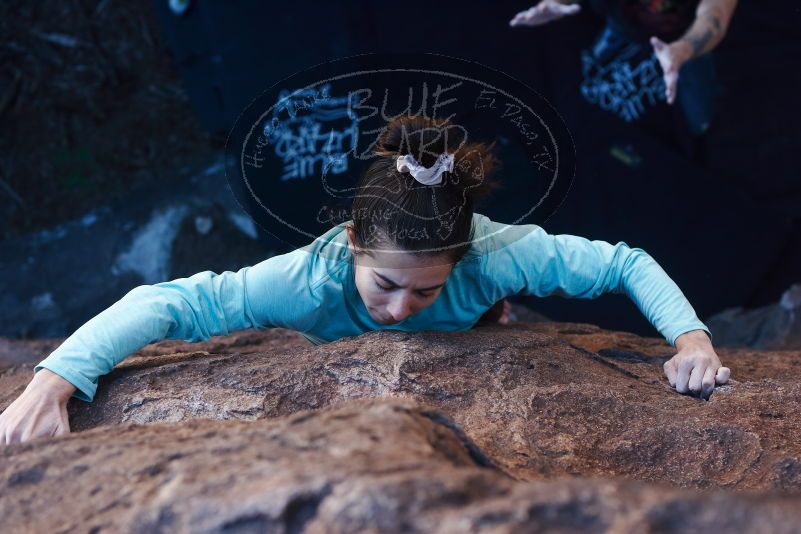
(41, 410)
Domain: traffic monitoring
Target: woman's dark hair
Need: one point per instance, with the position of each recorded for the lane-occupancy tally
(392, 210)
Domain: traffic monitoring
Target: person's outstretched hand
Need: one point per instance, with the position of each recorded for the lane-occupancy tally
(41, 410)
(543, 13)
(671, 57)
(695, 369)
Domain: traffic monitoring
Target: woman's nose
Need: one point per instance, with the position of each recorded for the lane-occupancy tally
(400, 307)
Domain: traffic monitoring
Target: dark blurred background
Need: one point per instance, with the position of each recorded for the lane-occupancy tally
(114, 118)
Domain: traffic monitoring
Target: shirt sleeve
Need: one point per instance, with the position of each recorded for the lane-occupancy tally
(273, 293)
(537, 263)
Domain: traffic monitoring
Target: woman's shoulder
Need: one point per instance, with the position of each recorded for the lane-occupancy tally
(491, 236)
(289, 289)
(328, 256)
(310, 265)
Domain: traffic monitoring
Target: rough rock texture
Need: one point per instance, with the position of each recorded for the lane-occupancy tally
(486, 430)
(370, 465)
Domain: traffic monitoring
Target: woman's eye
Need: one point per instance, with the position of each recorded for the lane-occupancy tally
(390, 288)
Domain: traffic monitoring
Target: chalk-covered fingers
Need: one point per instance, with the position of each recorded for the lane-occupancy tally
(40, 411)
(544, 12)
(671, 372)
(722, 376)
(30, 417)
(696, 370)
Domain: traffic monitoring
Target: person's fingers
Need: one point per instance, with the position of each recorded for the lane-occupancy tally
(570, 9)
(57, 430)
(670, 74)
(7, 436)
(658, 44)
(543, 13)
(674, 82)
(671, 79)
(683, 376)
(2, 429)
(31, 427)
(65, 418)
(518, 18)
(525, 17)
(708, 382)
(12, 437)
(662, 53)
(696, 377)
(671, 372)
(723, 375)
(26, 435)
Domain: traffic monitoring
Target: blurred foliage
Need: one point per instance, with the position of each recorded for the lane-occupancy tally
(90, 108)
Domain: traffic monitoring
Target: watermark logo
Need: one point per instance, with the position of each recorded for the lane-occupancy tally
(297, 154)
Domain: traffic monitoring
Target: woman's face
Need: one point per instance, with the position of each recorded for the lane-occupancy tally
(394, 286)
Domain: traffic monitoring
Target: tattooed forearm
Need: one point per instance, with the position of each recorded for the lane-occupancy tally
(700, 39)
(715, 21)
(711, 22)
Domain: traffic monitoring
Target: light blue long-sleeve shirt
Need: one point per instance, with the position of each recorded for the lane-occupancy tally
(312, 290)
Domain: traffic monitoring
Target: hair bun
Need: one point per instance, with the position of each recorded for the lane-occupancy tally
(392, 209)
(426, 139)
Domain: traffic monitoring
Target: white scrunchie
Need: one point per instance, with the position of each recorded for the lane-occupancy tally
(426, 175)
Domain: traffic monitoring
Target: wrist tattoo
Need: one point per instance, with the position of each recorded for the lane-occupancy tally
(700, 42)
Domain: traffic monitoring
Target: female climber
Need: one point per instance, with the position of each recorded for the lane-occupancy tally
(414, 256)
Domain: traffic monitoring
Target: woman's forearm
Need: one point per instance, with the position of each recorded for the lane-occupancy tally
(659, 298)
(272, 293)
(107, 339)
(533, 262)
(192, 309)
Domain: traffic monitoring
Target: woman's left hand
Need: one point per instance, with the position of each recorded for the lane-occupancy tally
(695, 368)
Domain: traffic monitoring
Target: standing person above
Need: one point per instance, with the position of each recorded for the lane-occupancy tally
(681, 33)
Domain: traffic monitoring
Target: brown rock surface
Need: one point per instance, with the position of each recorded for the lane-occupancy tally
(365, 466)
(532, 406)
